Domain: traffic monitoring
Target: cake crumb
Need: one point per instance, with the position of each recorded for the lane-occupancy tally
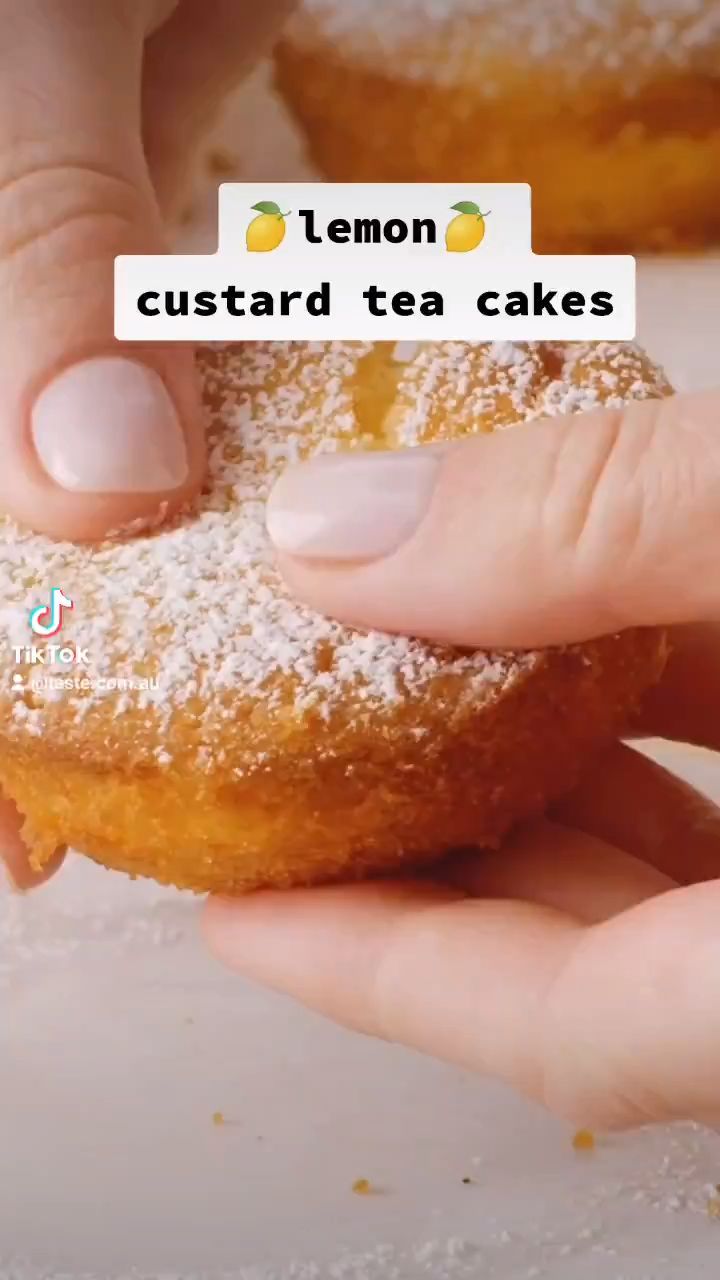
(583, 1140)
(221, 162)
(713, 1205)
(218, 1119)
(362, 1187)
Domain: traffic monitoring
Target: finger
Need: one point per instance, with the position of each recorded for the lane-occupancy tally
(634, 804)
(685, 705)
(555, 866)
(555, 531)
(610, 1025)
(94, 436)
(191, 64)
(14, 854)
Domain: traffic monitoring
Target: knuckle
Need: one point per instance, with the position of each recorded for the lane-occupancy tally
(611, 1103)
(612, 483)
(580, 1080)
(690, 450)
(64, 208)
(584, 464)
(593, 1069)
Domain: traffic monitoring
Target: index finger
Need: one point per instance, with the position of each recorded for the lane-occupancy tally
(611, 1025)
(14, 853)
(553, 532)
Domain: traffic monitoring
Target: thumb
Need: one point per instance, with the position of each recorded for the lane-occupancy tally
(553, 532)
(94, 436)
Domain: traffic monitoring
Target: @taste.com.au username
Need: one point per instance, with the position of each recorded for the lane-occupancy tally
(85, 684)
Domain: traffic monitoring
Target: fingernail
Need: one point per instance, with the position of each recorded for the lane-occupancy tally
(345, 506)
(108, 425)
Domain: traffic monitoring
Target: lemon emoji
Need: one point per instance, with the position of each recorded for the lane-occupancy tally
(267, 231)
(467, 230)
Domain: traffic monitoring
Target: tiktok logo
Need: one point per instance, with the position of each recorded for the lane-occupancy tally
(47, 619)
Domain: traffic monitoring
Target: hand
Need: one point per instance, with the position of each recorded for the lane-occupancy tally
(581, 962)
(101, 102)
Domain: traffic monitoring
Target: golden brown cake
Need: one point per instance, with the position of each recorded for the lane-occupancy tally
(281, 747)
(609, 108)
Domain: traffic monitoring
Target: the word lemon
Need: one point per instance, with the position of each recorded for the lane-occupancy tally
(267, 231)
(467, 230)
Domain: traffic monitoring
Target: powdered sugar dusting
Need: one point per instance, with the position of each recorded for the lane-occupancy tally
(456, 388)
(446, 40)
(199, 605)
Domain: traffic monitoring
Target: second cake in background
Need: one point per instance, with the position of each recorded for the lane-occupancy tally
(609, 108)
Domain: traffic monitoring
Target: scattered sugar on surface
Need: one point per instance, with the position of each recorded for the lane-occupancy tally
(200, 603)
(32, 932)
(438, 39)
(530, 1253)
(668, 1174)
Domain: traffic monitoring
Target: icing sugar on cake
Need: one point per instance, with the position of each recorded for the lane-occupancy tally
(583, 35)
(199, 603)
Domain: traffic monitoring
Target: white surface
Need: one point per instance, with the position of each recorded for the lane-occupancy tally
(679, 318)
(119, 1038)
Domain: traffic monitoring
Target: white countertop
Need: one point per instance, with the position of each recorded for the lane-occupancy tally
(119, 1039)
